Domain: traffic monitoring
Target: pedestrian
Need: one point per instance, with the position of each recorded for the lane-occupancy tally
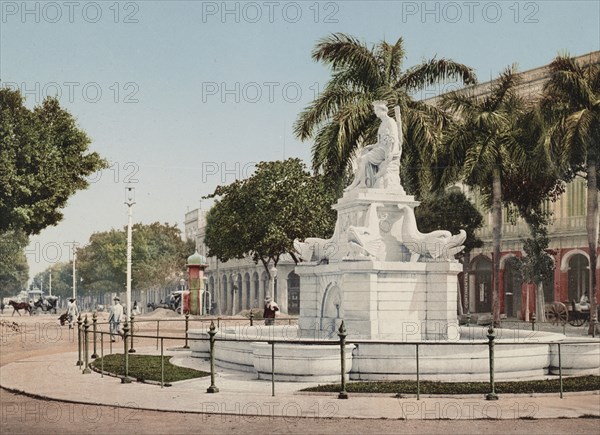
(114, 318)
(72, 312)
(136, 309)
(270, 309)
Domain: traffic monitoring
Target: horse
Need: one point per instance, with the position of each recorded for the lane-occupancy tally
(20, 306)
(64, 318)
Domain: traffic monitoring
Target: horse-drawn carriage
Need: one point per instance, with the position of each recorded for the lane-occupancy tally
(173, 302)
(45, 304)
(574, 313)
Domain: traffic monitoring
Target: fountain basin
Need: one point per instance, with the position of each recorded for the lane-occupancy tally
(466, 359)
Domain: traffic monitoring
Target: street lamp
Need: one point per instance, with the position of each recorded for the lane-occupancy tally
(129, 201)
(182, 288)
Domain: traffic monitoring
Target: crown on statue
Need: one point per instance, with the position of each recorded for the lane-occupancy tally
(380, 103)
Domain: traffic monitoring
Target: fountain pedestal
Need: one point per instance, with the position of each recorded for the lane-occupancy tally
(380, 300)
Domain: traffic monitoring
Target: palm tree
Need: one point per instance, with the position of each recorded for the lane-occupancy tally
(341, 119)
(571, 102)
(482, 145)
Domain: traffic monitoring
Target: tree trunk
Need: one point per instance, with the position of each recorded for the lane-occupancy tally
(466, 288)
(592, 222)
(496, 239)
(540, 303)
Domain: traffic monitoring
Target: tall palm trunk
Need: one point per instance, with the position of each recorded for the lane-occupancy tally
(591, 224)
(466, 288)
(496, 240)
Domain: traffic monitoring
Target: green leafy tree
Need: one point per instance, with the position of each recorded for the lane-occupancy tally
(451, 210)
(62, 280)
(261, 216)
(481, 146)
(14, 270)
(158, 257)
(571, 103)
(341, 119)
(44, 160)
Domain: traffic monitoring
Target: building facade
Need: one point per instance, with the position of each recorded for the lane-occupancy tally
(239, 285)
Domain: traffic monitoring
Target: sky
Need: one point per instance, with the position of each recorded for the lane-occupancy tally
(181, 96)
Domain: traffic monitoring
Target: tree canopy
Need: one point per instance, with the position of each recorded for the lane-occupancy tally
(261, 216)
(14, 270)
(158, 256)
(44, 159)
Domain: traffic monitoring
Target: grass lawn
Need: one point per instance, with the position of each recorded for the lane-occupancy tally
(581, 383)
(147, 368)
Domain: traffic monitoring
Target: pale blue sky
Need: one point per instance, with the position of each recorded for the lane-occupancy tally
(175, 61)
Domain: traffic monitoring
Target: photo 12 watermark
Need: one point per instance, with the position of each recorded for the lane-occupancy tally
(270, 12)
(258, 92)
(465, 410)
(75, 91)
(470, 12)
(226, 172)
(51, 252)
(117, 173)
(250, 412)
(54, 412)
(69, 12)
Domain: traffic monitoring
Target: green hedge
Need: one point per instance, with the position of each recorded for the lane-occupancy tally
(147, 368)
(582, 383)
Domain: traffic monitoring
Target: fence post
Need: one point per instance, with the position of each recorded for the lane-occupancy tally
(594, 320)
(131, 349)
(533, 322)
(79, 343)
(162, 363)
(86, 326)
(187, 316)
(94, 320)
(101, 355)
(560, 381)
(157, 332)
(125, 379)
(273, 369)
(251, 318)
(491, 335)
(418, 376)
(342, 334)
(211, 332)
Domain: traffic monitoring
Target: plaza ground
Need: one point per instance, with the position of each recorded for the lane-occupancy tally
(24, 414)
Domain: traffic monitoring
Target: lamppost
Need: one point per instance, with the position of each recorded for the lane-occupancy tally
(129, 201)
(74, 281)
(182, 288)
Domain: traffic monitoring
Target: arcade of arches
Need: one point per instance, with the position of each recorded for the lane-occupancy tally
(231, 292)
(517, 299)
(245, 285)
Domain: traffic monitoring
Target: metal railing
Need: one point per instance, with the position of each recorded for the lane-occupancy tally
(128, 334)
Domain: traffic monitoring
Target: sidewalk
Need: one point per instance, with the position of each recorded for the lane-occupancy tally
(57, 377)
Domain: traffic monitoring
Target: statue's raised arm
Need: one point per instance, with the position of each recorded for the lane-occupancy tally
(378, 165)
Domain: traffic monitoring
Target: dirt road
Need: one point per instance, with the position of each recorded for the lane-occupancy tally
(40, 335)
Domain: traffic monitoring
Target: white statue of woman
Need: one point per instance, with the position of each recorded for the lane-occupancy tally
(379, 164)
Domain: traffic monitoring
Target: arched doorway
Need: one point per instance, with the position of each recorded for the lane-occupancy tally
(293, 281)
(483, 285)
(512, 289)
(238, 291)
(247, 302)
(224, 295)
(256, 302)
(579, 276)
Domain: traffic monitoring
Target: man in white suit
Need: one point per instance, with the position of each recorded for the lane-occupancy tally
(114, 318)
